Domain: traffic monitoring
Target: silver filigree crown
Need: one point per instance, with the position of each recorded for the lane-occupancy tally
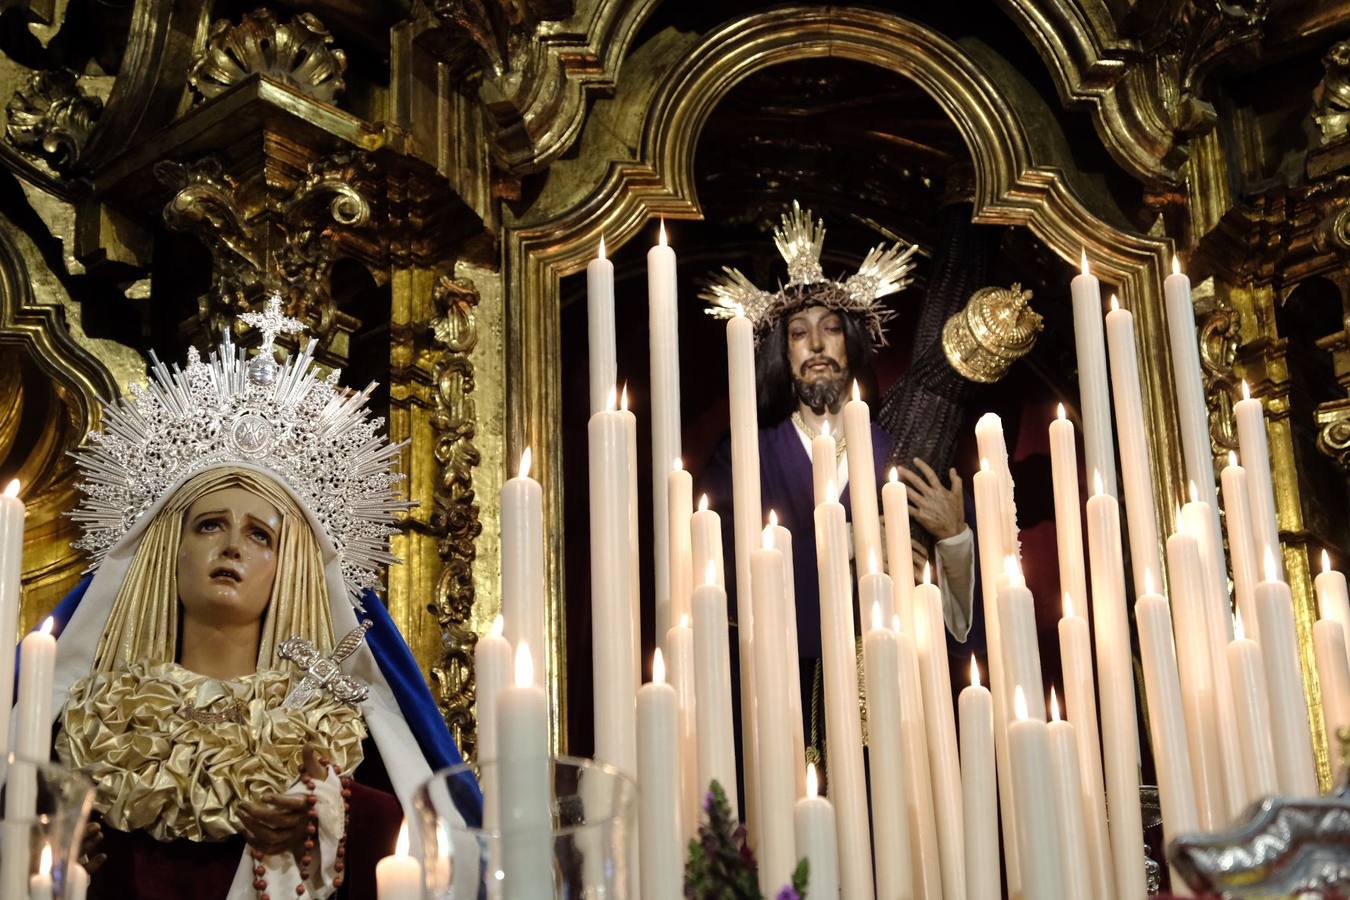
(799, 238)
(310, 432)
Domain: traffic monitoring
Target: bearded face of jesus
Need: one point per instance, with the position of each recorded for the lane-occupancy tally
(818, 358)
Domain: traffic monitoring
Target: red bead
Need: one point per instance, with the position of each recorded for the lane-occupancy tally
(299, 889)
(337, 882)
(339, 866)
(264, 896)
(312, 799)
(311, 829)
(259, 871)
(309, 845)
(259, 883)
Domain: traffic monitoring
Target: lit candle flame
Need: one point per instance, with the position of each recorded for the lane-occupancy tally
(1272, 572)
(401, 849)
(661, 237)
(1178, 526)
(1059, 412)
(524, 666)
(48, 625)
(871, 562)
(498, 626)
(825, 428)
(684, 620)
(1148, 581)
(710, 573)
(703, 503)
(894, 475)
(1097, 490)
(1054, 705)
(1326, 561)
(773, 519)
(525, 459)
(1115, 303)
(1176, 265)
(857, 395)
(740, 311)
(1232, 459)
(1194, 492)
(984, 464)
(927, 573)
(1083, 263)
(612, 398)
(974, 672)
(623, 398)
(658, 667)
(12, 489)
(812, 785)
(877, 622)
(1068, 605)
(45, 860)
(831, 493)
(677, 465)
(1011, 568)
(766, 537)
(1246, 390)
(1239, 633)
(1019, 704)
(601, 254)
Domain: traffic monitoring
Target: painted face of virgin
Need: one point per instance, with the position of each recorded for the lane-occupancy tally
(818, 357)
(227, 559)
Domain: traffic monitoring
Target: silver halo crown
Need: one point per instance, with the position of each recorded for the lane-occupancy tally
(799, 238)
(312, 434)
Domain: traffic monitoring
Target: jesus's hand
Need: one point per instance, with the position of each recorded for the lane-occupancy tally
(941, 510)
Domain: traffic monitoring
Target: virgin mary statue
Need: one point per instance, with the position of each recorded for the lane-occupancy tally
(253, 721)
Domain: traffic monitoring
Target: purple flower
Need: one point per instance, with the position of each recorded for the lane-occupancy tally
(787, 893)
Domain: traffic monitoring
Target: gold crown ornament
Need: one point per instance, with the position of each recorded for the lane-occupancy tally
(994, 329)
(799, 238)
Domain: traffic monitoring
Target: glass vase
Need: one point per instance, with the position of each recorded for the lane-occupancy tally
(589, 850)
(44, 808)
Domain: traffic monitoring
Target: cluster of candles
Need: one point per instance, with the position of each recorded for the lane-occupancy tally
(1227, 711)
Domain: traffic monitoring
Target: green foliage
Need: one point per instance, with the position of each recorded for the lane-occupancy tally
(721, 866)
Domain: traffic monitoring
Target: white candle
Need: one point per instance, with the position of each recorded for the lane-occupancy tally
(1332, 602)
(930, 644)
(526, 787)
(1068, 507)
(680, 503)
(1018, 638)
(816, 840)
(1077, 866)
(1192, 410)
(37, 662)
(792, 678)
(748, 519)
(1038, 827)
(1241, 541)
(1290, 729)
(1133, 434)
(989, 438)
(1199, 691)
(40, 885)
(1166, 719)
(1255, 455)
(659, 827)
(634, 551)
(77, 882)
(492, 673)
(777, 779)
(979, 797)
(843, 723)
(680, 645)
(705, 539)
(1080, 701)
(923, 840)
(1093, 385)
(1115, 685)
(862, 479)
(664, 345)
(712, 683)
(1333, 671)
(874, 586)
(11, 573)
(899, 556)
(604, 362)
(824, 462)
(890, 817)
(399, 877)
(523, 560)
(1247, 674)
(612, 629)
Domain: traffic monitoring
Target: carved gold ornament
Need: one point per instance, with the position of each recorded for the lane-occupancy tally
(1332, 113)
(996, 328)
(298, 53)
(51, 118)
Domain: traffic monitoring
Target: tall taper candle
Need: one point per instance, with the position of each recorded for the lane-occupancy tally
(526, 787)
(37, 664)
(782, 542)
(1241, 541)
(634, 549)
(1038, 827)
(890, 820)
(492, 673)
(1068, 508)
(816, 840)
(1290, 729)
(824, 463)
(1255, 455)
(862, 481)
(1069, 804)
(522, 570)
(1019, 637)
(1247, 674)
(1332, 601)
(705, 541)
(680, 644)
(1333, 671)
(664, 345)
(777, 780)
(680, 503)
(748, 520)
(989, 437)
(1120, 735)
(1080, 701)
(979, 797)
(843, 723)
(613, 659)
(712, 682)
(659, 807)
(1099, 448)
(11, 572)
(899, 557)
(1133, 435)
(923, 839)
(604, 362)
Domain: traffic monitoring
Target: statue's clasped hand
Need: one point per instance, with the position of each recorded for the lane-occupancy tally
(279, 823)
(941, 510)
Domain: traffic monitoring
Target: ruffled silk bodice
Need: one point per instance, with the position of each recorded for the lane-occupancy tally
(173, 752)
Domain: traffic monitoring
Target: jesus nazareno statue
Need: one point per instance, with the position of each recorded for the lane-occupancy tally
(254, 723)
